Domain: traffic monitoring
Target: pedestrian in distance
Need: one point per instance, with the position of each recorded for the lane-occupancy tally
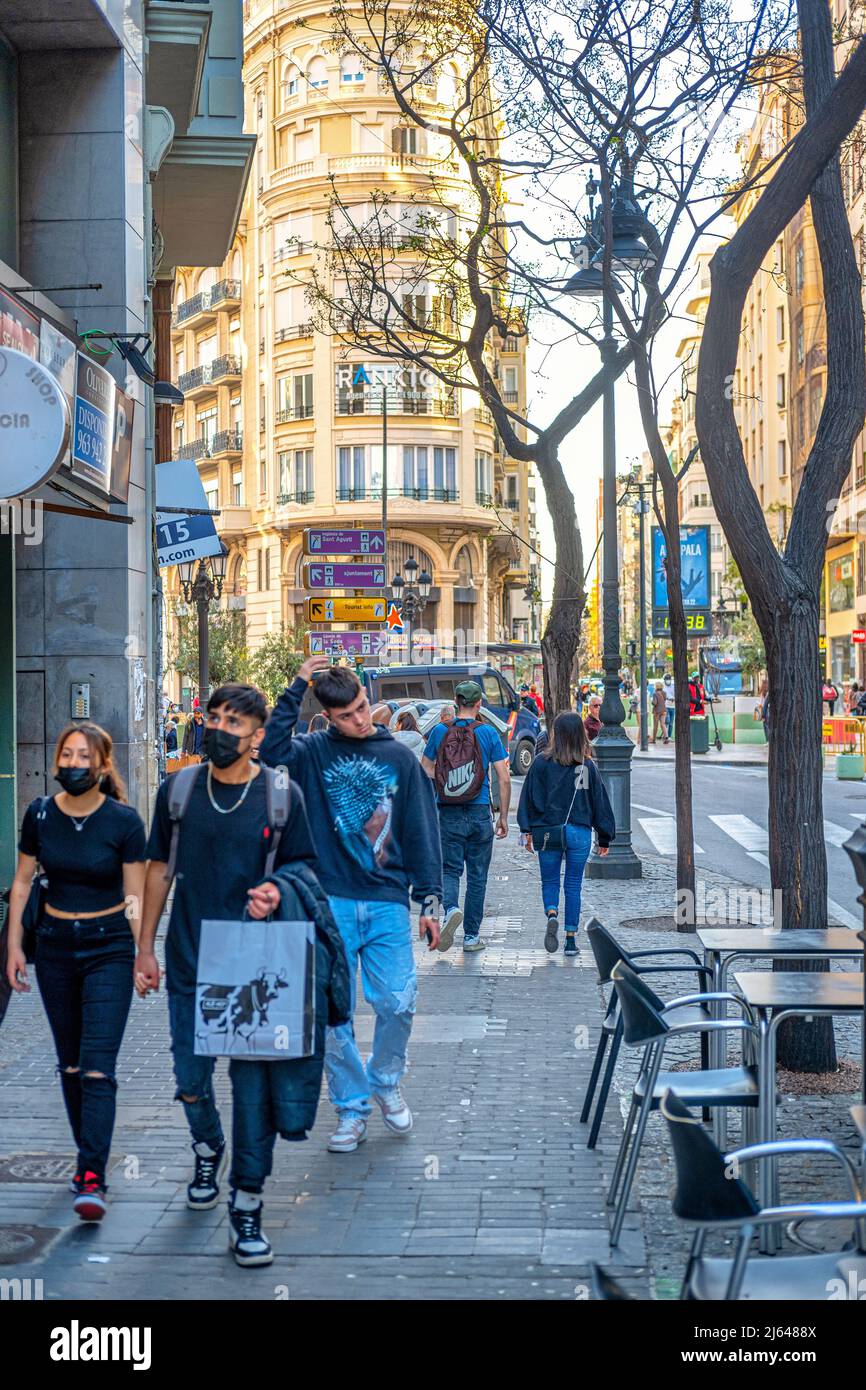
(374, 825)
(457, 759)
(659, 709)
(592, 719)
(218, 847)
(670, 704)
(562, 801)
(193, 734)
(448, 714)
(90, 847)
(829, 695)
(407, 731)
(171, 736)
(696, 694)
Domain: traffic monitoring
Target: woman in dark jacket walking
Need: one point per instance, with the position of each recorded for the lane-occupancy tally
(563, 800)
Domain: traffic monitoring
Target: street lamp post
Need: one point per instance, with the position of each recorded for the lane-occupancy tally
(201, 584)
(641, 507)
(629, 254)
(413, 596)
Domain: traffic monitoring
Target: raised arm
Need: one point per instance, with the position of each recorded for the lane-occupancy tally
(278, 749)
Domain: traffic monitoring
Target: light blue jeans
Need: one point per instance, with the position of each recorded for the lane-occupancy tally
(379, 935)
(578, 839)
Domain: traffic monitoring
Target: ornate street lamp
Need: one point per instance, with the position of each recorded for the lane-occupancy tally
(413, 592)
(629, 255)
(201, 583)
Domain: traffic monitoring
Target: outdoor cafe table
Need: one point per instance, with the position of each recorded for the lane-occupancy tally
(775, 996)
(723, 945)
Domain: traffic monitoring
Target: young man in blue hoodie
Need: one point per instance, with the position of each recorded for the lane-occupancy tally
(374, 825)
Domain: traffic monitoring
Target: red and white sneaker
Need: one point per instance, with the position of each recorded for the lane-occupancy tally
(90, 1204)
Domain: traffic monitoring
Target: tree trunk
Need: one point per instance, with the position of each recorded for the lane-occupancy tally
(562, 632)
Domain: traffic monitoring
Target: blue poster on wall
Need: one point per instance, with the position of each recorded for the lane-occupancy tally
(694, 567)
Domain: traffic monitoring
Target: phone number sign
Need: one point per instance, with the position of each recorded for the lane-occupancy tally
(93, 423)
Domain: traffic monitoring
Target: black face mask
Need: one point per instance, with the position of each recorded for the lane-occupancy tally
(76, 780)
(220, 747)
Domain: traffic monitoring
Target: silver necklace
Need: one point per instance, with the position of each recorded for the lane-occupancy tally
(80, 824)
(227, 810)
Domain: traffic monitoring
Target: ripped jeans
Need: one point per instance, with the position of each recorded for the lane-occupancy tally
(84, 970)
(379, 934)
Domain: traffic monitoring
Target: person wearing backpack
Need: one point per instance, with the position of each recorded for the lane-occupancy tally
(457, 760)
(375, 829)
(218, 831)
(562, 801)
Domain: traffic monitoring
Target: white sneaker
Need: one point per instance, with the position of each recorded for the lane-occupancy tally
(350, 1132)
(395, 1111)
(453, 920)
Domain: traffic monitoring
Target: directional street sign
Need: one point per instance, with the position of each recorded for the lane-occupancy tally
(345, 643)
(344, 542)
(325, 576)
(345, 610)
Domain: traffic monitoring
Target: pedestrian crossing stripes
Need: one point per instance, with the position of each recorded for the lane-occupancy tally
(662, 831)
(746, 832)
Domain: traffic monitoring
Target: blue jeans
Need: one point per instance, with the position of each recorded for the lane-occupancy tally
(194, 1075)
(578, 840)
(379, 935)
(84, 969)
(669, 721)
(466, 833)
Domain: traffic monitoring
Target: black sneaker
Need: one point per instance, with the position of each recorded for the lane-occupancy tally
(551, 940)
(570, 944)
(247, 1242)
(204, 1190)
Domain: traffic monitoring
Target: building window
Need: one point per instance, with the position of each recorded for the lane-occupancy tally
(815, 398)
(296, 475)
(357, 475)
(780, 324)
(715, 537)
(317, 74)
(263, 476)
(302, 388)
(781, 458)
(799, 267)
(840, 584)
(780, 390)
(351, 70)
(206, 421)
(860, 473)
(483, 479)
(238, 487)
(700, 499)
(801, 419)
(406, 139)
(801, 342)
(429, 472)
(861, 567)
(212, 495)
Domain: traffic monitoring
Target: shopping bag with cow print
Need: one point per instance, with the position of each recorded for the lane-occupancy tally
(255, 989)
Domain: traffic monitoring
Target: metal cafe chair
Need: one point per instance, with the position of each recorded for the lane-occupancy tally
(648, 1022)
(607, 952)
(710, 1195)
(607, 1289)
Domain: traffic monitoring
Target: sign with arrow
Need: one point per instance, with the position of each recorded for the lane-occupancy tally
(345, 610)
(345, 643)
(319, 543)
(330, 576)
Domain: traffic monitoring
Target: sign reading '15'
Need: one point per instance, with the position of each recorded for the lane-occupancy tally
(694, 567)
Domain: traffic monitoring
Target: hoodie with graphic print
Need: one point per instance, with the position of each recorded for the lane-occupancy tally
(370, 808)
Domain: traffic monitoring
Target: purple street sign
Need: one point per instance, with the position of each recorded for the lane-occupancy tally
(327, 576)
(346, 643)
(344, 542)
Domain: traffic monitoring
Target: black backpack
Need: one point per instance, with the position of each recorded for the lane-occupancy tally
(279, 798)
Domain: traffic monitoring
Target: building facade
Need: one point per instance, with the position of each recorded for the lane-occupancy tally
(285, 419)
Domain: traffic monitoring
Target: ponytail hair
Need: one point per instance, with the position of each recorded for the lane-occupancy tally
(101, 757)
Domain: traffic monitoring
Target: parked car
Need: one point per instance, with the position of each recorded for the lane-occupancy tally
(425, 684)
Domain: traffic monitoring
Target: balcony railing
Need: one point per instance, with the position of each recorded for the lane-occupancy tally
(227, 442)
(292, 248)
(222, 292)
(300, 499)
(483, 499)
(370, 403)
(208, 373)
(227, 365)
(293, 412)
(415, 494)
(322, 165)
(510, 397)
(512, 503)
(195, 449)
(298, 330)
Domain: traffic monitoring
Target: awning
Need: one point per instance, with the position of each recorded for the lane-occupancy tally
(197, 197)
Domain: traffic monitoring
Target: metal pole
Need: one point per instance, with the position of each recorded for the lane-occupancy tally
(202, 606)
(613, 747)
(643, 691)
(385, 472)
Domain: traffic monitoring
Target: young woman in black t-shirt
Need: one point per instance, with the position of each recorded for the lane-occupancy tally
(90, 847)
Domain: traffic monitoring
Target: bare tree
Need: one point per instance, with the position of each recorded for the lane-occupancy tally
(784, 589)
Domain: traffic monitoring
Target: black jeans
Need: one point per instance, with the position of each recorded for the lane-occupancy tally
(84, 970)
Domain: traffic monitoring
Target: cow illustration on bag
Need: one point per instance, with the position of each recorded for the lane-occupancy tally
(459, 770)
(241, 1008)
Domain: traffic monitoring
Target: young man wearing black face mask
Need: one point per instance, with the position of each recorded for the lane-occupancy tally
(222, 849)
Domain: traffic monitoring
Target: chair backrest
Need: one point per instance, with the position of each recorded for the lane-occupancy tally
(641, 1007)
(605, 1288)
(606, 949)
(707, 1190)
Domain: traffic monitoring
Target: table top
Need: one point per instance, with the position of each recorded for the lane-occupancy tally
(766, 941)
(836, 991)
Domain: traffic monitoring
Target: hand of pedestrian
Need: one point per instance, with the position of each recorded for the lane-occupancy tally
(263, 900)
(431, 925)
(16, 972)
(529, 845)
(603, 850)
(145, 973)
(313, 664)
(501, 829)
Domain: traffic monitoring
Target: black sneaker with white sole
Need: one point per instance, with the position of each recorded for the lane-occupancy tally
(551, 940)
(247, 1242)
(204, 1190)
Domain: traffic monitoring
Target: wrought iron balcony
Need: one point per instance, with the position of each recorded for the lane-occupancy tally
(300, 499)
(195, 449)
(227, 365)
(298, 330)
(415, 494)
(227, 442)
(293, 412)
(224, 291)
